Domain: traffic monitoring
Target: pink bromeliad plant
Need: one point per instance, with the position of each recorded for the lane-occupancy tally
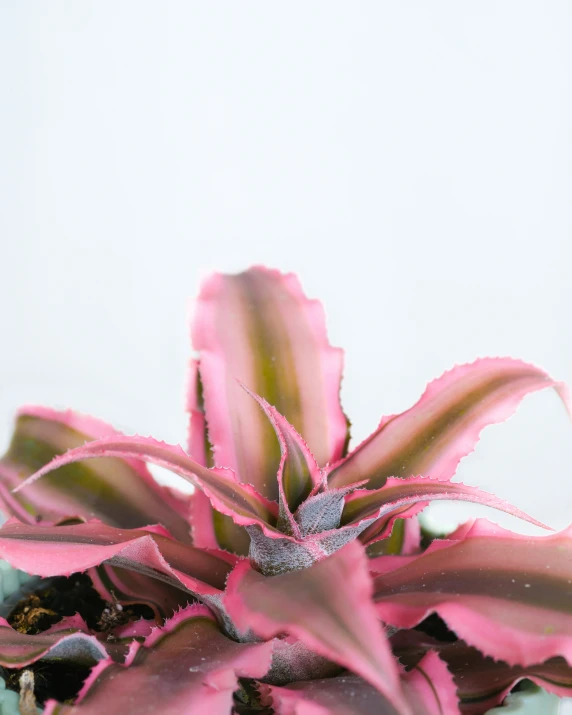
(294, 580)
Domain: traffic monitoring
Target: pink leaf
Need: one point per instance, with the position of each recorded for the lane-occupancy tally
(240, 501)
(328, 607)
(197, 442)
(63, 550)
(211, 529)
(258, 327)
(186, 668)
(120, 492)
(344, 695)
(298, 473)
(379, 505)
(481, 682)
(506, 594)
(428, 689)
(444, 426)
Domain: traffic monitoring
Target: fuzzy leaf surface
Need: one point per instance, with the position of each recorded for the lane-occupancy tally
(185, 668)
(259, 328)
(298, 472)
(327, 606)
(120, 492)
(434, 435)
(506, 594)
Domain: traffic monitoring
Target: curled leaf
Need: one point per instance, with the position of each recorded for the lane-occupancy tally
(240, 501)
(63, 550)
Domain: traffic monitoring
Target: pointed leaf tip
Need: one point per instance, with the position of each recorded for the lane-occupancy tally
(327, 606)
(378, 507)
(240, 501)
(259, 327)
(444, 426)
(298, 473)
(121, 492)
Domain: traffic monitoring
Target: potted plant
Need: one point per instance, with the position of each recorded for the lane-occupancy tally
(296, 578)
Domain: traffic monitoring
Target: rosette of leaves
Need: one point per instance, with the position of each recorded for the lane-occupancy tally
(293, 581)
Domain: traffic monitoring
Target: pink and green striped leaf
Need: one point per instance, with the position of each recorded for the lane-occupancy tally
(368, 515)
(428, 689)
(211, 529)
(404, 539)
(327, 606)
(259, 328)
(63, 550)
(434, 435)
(506, 594)
(378, 508)
(185, 668)
(240, 501)
(120, 492)
(298, 473)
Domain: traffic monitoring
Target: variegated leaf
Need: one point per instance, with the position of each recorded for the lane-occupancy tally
(507, 594)
(259, 328)
(444, 426)
(120, 492)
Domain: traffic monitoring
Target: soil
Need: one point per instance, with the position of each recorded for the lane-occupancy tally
(46, 605)
(436, 627)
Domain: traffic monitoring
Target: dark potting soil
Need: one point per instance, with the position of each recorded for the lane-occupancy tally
(48, 603)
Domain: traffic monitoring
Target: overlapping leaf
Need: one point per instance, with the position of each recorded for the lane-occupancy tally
(378, 508)
(258, 327)
(211, 529)
(240, 501)
(482, 683)
(298, 473)
(428, 689)
(63, 550)
(506, 594)
(130, 588)
(186, 667)
(120, 492)
(328, 607)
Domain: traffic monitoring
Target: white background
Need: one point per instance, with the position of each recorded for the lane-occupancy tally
(412, 161)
